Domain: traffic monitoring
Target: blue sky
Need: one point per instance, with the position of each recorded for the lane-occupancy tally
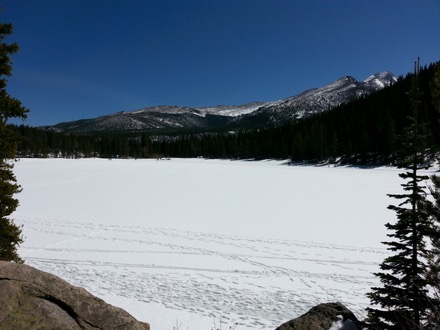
(86, 58)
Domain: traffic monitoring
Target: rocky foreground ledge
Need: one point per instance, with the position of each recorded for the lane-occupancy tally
(330, 316)
(32, 299)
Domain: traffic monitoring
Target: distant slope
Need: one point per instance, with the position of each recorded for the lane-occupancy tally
(251, 115)
(317, 100)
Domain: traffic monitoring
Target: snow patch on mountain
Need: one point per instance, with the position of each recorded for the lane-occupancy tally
(254, 114)
(234, 110)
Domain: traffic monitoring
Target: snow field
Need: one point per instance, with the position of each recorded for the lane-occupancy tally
(246, 245)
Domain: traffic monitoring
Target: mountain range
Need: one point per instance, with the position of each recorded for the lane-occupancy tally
(250, 115)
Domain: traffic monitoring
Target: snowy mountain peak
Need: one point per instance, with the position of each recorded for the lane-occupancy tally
(380, 80)
(348, 79)
(385, 75)
(340, 83)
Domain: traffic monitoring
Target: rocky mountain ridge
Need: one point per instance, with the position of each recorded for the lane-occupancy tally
(250, 115)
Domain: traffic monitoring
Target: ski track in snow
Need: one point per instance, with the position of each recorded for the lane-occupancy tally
(208, 244)
(251, 282)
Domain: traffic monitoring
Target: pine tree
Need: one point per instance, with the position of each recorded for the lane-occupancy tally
(10, 234)
(433, 273)
(434, 257)
(404, 298)
(435, 87)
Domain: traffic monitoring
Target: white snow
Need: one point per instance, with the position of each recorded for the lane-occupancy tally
(232, 111)
(202, 244)
(341, 325)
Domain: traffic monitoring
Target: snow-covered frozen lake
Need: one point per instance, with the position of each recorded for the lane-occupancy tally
(204, 243)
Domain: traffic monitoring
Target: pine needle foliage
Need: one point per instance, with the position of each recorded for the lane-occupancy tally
(433, 273)
(434, 257)
(404, 298)
(10, 234)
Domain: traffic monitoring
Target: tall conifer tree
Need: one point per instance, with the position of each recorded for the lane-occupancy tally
(404, 298)
(10, 234)
(434, 257)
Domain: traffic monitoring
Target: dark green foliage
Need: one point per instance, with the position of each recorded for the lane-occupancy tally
(404, 299)
(34, 142)
(435, 87)
(434, 257)
(433, 274)
(10, 234)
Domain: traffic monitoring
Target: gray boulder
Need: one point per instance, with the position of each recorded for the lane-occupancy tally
(324, 317)
(32, 299)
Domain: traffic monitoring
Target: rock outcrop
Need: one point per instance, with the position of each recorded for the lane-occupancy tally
(324, 317)
(32, 299)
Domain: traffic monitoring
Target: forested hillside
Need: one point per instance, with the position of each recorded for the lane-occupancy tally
(365, 131)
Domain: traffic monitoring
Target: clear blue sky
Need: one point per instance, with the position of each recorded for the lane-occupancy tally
(86, 58)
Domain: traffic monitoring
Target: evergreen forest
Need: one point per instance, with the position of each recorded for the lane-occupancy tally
(366, 131)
